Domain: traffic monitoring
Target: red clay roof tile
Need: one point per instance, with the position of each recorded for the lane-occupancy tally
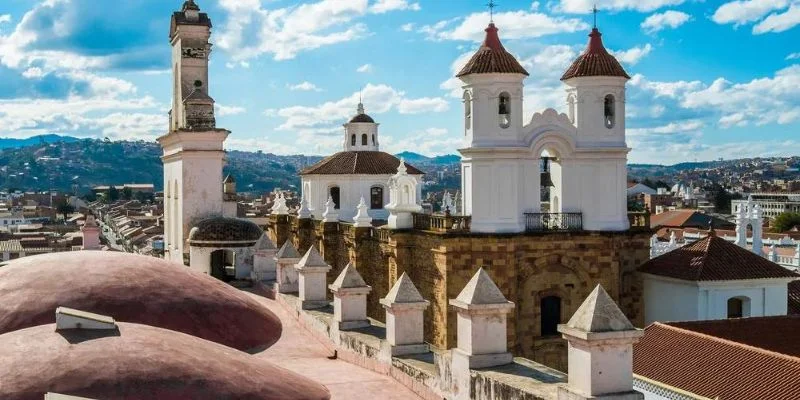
(714, 259)
(492, 58)
(595, 61)
(713, 367)
(359, 162)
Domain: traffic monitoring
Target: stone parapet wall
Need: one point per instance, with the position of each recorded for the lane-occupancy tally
(526, 267)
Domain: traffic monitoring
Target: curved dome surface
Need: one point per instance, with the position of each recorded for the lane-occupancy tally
(362, 118)
(224, 230)
(132, 288)
(140, 362)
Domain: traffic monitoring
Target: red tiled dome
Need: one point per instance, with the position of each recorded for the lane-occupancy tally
(132, 288)
(139, 362)
(492, 58)
(595, 61)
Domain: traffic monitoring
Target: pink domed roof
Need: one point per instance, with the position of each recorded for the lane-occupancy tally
(132, 288)
(139, 362)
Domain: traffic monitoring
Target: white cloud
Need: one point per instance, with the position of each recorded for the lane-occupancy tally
(429, 142)
(378, 99)
(512, 25)
(5, 18)
(793, 56)
(632, 55)
(223, 111)
(453, 85)
(33, 73)
(383, 6)
(364, 69)
(668, 129)
(585, 6)
(407, 27)
(305, 86)
(779, 22)
(667, 19)
(740, 12)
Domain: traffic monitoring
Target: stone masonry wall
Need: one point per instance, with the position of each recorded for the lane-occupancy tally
(526, 267)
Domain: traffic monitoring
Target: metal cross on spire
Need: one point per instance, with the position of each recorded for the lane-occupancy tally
(594, 11)
(491, 4)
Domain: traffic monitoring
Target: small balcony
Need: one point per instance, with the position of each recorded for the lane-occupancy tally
(553, 222)
(442, 223)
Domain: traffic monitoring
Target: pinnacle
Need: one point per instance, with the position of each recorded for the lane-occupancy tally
(599, 313)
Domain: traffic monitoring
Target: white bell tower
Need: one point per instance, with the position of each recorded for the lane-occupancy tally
(193, 154)
(361, 133)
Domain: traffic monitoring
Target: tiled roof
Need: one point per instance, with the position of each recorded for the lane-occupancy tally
(715, 367)
(794, 298)
(492, 58)
(362, 118)
(359, 162)
(217, 230)
(768, 333)
(595, 61)
(686, 218)
(714, 259)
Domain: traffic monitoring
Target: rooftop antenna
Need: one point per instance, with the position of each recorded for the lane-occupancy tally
(594, 11)
(491, 6)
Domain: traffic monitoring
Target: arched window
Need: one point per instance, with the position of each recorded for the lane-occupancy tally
(738, 307)
(467, 111)
(364, 139)
(504, 110)
(334, 193)
(551, 315)
(376, 198)
(571, 108)
(353, 140)
(608, 107)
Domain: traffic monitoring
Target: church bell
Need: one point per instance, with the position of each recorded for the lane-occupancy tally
(545, 176)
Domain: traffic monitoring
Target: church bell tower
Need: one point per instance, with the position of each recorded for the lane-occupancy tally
(193, 154)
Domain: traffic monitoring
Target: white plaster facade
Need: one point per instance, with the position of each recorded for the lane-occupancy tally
(589, 170)
(242, 259)
(670, 299)
(360, 135)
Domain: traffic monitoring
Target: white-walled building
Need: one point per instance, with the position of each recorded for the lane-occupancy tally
(361, 170)
(586, 147)
(713, 279)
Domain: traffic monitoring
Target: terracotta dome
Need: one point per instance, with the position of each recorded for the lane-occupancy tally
(139, 362)
(132, 288)
(219, 230)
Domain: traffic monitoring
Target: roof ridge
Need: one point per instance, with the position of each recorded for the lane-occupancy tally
(705, 256)
(355, 163)
(729, 342)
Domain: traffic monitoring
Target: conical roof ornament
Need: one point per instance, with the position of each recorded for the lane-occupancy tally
(599, 313)
(349, 278)
(311, 259)
(401, 169)
(481, 290)
(288, 251)
(403, 291)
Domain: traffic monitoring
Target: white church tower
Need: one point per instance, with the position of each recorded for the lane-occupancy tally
(193, 154)
(361, 133)
(585, 148)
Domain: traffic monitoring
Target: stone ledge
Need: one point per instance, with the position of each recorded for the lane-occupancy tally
(432, 375)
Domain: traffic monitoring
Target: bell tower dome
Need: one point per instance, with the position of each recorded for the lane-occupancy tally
(361, 133)
(596, 94)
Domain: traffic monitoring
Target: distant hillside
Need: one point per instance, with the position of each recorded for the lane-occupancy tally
(9, 143)
(415, 158)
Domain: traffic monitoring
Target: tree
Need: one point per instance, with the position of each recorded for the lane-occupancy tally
(65, 209)
(113, 193)
(785, 221)
(127, 193)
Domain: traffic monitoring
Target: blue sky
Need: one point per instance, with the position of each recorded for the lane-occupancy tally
(710, 78)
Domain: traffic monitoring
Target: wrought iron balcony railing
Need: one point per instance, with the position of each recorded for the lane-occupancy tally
(553, 222)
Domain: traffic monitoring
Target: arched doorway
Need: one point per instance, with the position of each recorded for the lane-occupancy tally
(223, 265)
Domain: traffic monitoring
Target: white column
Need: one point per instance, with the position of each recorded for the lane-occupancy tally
(285, 273)
(350, 299)
(481, 319)
(312, 271)
(404, 318)
(600, 355)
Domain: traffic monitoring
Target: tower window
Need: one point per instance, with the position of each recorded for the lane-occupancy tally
(467, 111)
(571, 108)
(334, 193)
(373, 138)
(504, 110)
(198, 83)
(353, 140)
(608, 107)
(551, 315)
(364, 139)
(376, 198)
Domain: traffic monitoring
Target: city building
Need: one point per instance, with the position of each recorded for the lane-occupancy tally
(771, 204)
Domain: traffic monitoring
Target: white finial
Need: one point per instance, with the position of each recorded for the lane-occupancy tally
(330, 214)
(401, 169)
(362, 218)
(303, 212)
(672, 238)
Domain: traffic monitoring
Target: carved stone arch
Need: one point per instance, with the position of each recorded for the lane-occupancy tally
(561, 143)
